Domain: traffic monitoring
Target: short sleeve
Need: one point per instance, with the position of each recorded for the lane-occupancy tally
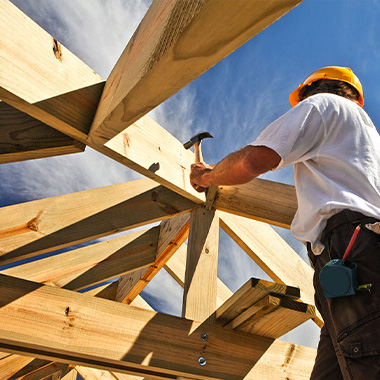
(295, 136)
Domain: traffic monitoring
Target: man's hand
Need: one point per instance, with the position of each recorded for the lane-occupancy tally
(198, 176)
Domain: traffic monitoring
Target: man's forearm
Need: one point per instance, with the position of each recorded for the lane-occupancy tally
(239, 167)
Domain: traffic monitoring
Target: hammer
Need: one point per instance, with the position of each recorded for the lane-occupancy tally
(196, 141)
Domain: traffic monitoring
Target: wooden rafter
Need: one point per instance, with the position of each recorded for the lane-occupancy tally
(87, 266)
(69, 327)
(172, 233)
(176, 42)
(24, 138)
(200, 285)
(28, 229)
(293, 360)
(42, 78)
(163, 57)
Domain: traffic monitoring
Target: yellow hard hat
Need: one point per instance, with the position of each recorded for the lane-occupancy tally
(344, 74)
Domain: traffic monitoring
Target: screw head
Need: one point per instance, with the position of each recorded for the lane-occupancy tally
(202, 361)
(204, 336)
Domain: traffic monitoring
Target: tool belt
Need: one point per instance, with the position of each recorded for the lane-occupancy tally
(346, 216)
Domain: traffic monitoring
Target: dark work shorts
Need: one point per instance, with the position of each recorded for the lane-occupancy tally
(349, 346)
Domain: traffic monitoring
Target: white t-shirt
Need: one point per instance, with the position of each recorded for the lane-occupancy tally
(335, 152)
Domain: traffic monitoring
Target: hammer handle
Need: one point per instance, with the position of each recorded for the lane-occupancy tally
(198, 152)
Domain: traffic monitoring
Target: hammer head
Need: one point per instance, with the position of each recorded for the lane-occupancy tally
(197, 138)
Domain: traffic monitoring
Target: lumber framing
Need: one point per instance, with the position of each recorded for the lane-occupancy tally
(53, 223)
(176, 42)
(172, 233)
(42, 78)
(266, 201)
(200, 286)
(136, 341)
(24, 138)
(87, 266)
(293, 360)
(51, 104)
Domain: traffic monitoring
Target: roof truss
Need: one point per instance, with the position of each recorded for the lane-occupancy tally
(60, 105)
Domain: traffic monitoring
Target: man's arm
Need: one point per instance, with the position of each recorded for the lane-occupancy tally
(237, 168)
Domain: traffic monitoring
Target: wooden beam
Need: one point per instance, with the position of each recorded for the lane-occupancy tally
(93, 264)
(176, 267)
(97, 374)
(272, 254)
(10, 365)
(42, 78)
(69, 327)
(149, 149)
(199, 297)
(17, 366)
(172, 233)
(23, 138)
(65, 93)
(53, 223)
(175, 43)
(252, 291)
(49, 371)
(272, 317)
(267, 201)
(264, 308)
(281, 361)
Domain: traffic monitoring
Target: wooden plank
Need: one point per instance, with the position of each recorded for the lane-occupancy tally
(175, 43)
(23, 138)
(41, 77)
(149, 149)
(176, 267)
(96, 374)
(281, 361)
(199, 296)
(50, 371)
(72, 375)
(93, 264)
(251, 292)
(264, 308)
(173, 232)
(69, 327)
(272, 254)
(20, 366)
(53, 223)
(272, 317)
(10, 365)
(267, 201)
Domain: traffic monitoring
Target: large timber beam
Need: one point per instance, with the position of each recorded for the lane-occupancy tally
(263, 200)
(23, 137)
(200, 286)
(87, 266)
(42, 78)
(70, 327)
(53, 223)
(264, 308)
(282, 361)
(175, 43)
(172, 233)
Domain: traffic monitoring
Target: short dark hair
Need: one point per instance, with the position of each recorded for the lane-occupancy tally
(331, 86)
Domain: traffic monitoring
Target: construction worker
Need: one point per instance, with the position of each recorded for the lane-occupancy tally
(335, 152)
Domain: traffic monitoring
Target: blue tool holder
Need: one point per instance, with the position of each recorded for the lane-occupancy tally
(338, 278)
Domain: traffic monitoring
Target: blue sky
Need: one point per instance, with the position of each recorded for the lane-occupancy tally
(235, 100)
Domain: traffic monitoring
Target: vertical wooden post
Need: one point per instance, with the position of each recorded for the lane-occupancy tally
(199, 299)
